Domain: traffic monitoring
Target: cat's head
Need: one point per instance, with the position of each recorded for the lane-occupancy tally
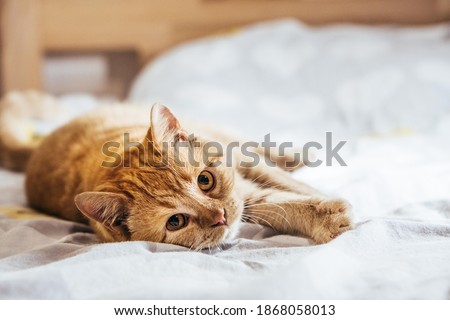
(168, 193)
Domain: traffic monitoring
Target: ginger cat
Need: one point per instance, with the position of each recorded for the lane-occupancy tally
(196, 206)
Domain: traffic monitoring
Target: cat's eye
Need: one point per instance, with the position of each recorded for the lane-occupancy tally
(206, 181)
(176, 222)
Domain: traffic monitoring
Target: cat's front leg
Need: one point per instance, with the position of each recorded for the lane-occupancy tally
(318, 218)
(332, 218)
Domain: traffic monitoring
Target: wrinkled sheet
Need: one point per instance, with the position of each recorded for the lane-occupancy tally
(397, 175)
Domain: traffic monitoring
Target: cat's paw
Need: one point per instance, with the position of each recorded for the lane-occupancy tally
(333, 218)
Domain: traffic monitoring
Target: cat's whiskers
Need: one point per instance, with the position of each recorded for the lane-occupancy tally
(269, 183)
(268, 223)
(251, 201)
(267, 203)
(265, 183)
(254, 180)
(199, 247)
(268, 213)
(202, 244)
(249, 218)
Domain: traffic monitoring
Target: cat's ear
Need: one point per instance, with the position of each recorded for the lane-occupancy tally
(110, 209)
(164, 126)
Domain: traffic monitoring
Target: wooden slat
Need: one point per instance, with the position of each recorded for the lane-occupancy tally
(444, 9)
(108, 24)
(152, 25)
(21, 46)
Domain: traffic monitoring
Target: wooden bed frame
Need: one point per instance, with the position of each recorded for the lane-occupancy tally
(30, 29)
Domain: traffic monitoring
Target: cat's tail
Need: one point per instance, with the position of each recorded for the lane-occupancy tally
(18, 140)
(15, 158)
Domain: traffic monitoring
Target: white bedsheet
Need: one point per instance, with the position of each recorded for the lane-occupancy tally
(395, 118)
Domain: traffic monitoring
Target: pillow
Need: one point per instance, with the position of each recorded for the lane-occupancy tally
(300, 81)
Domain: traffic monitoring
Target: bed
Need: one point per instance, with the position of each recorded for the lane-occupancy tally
(384, 90)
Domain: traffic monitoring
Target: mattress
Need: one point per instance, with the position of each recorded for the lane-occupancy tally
(385, 91)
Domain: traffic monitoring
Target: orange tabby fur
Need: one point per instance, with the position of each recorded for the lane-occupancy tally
(65, 177)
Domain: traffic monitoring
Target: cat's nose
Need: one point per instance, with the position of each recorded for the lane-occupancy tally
(220, 218)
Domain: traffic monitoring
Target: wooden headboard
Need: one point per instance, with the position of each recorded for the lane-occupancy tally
(32, 28)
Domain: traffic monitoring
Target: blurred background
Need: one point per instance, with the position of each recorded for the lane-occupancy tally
(98, 46)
